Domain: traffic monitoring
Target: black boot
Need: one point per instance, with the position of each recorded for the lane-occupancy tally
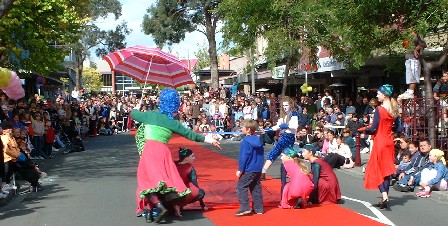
(148, 215)
(161, 212)
(299, 203)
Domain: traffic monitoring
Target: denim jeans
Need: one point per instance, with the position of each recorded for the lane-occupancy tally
(58, 141)
(38, 143)
(250, 181)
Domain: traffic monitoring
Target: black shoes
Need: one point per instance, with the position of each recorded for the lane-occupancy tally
(383, 204)
(299, 203)
(161, 212)
(401, 187)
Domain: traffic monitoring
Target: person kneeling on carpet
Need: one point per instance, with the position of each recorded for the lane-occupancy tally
(250, 164)
(189, 176)
(326, 184)
(298, 189)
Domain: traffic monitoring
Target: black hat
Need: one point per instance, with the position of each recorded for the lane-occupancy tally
(183, 153)
(6, 125)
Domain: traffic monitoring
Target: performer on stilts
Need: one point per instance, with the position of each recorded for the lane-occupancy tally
(159, 182)
(288, 121)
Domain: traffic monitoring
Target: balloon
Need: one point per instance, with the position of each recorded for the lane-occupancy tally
(5, 77)
(305, 88)
(14, 90)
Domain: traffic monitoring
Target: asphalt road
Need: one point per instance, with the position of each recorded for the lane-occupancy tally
(97, 187)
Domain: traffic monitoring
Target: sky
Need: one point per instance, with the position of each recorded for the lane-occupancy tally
(133, 12)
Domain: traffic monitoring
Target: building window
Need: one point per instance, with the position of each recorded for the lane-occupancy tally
(107, 79)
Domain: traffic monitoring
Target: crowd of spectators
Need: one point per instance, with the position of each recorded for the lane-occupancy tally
(62, 122)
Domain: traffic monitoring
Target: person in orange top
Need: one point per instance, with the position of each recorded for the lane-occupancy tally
(11, 152)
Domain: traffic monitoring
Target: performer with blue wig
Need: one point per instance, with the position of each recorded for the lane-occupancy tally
(157, 175)
(288, 123)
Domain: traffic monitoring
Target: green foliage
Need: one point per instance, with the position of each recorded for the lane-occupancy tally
(112, 40)
(30, 29)
(169, 20)
(92, 80)
(352, 30)
(203, 58)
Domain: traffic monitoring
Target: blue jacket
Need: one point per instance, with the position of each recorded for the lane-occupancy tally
(442, 173)
(251, 154)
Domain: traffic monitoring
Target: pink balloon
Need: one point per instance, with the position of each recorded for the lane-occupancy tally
(14, 90)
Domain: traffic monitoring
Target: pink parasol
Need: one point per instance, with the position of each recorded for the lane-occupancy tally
(150, 65)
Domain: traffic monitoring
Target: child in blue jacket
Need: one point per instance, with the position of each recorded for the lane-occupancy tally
(250, 165)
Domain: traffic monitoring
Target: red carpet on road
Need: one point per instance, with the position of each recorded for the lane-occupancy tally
(216, 175)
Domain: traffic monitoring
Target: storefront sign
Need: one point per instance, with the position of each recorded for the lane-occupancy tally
(279, 72)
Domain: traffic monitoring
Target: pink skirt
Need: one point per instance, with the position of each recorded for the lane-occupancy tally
(157, 174)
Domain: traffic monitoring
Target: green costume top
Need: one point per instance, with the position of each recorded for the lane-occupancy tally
(159, 127)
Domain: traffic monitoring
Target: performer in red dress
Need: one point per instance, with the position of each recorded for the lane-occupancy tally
(381, 162)
(326, 185)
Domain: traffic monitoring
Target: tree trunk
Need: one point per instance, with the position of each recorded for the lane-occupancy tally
(210, 27)
(5, 6)
(286, 75)
(429, 102)
(78, 68)
(427, 67)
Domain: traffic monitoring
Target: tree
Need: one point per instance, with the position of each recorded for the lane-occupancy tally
(352, 30)
(288, 26)
(203, 58)
(384, 26)
(5, 6)
(105, 41)
(29, 30)
(168, 21)
(92, 36)
(92, 80)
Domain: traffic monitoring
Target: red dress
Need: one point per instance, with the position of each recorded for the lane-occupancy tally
(299, 185)
(328, 190)
(184, 171)
(381, 161)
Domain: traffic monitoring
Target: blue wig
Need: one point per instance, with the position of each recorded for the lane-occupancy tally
(169, 102)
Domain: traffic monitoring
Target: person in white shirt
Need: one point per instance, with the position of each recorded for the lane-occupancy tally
(75, 94)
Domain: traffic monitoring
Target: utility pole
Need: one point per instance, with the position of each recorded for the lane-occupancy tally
(252, 74)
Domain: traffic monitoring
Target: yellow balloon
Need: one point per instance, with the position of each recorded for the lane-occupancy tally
(310, 89)
(5, 77)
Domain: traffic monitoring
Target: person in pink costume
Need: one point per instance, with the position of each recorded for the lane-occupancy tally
(298, 189)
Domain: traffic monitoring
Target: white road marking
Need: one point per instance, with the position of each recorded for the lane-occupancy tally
(379, 216)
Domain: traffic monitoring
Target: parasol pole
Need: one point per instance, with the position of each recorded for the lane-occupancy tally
(146, 78)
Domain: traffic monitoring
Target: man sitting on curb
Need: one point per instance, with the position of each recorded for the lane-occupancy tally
(406, 182)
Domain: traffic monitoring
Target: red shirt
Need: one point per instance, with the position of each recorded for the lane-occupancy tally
(49, 136)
